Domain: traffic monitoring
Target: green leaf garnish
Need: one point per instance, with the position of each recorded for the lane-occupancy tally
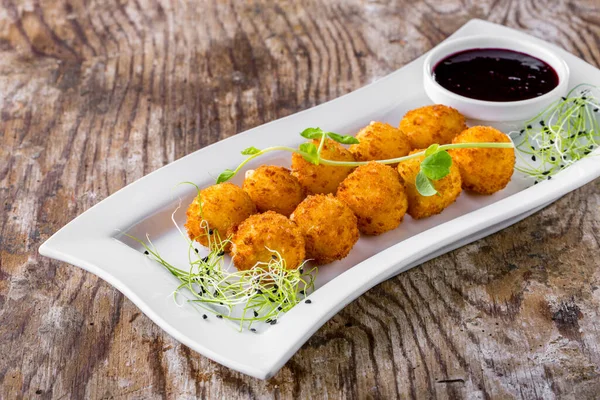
(250, 150)
(424, 185)
(437, 165)
(312, 154)
(344, 139)
(225, 176)
(432, 149)
(312, 133)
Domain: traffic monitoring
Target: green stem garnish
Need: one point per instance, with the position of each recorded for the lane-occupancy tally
(565, 132)
(260, 294)
(435, 166)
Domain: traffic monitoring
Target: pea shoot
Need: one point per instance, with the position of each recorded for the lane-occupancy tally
(435, 166)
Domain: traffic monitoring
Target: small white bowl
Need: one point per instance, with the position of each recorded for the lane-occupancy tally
(492, 110)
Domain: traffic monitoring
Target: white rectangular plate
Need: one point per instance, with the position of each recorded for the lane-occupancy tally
(94, 241)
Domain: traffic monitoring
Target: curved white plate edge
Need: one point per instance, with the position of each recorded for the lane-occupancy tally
(514, 207)
(261, 374)
(454, 245)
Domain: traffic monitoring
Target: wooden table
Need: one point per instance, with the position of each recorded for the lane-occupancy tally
(96, 94)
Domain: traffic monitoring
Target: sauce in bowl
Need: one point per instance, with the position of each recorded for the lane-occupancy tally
(495, 75)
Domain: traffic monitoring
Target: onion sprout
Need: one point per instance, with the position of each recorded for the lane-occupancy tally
(565, 132)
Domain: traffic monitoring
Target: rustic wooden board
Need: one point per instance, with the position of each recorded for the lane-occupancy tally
(95, 94)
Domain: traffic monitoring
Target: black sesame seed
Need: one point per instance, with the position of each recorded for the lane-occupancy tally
(564, 98)
(272, 300)
(275, 287)
(549, 177)
(210, 231)
(584, 98)
(522, 131)
(274, 257)
(529, 126)
(553, 158)
(268, 321)
(221, 303)
(535, 183)
(542, 122)
(252, 330)
(595, 110)
(551, 141)
(301, 270)
(205, 259)
(146, 252)
(545, 172)
(219, 316)
(255, 314)
(302, 292)
(196, 250)
(586, 152)
(591, 146)
(221, 253)
(562, 166)
(273, 322)
(258, 291)
(279, 308)
(533, 158)
(308, 301)
(204, 316)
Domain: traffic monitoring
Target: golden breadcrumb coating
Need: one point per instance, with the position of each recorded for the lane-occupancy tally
(376, 196)
(273, 188)
(380, 141)
(322, 179)
(449, 188)
(484, 171)
(329, 227)
(259, 236)
(432, 124)
(223, 207)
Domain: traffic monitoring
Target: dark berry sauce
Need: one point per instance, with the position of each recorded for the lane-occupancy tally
(495, 75)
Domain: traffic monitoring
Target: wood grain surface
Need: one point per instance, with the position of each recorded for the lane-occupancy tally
(94, 94)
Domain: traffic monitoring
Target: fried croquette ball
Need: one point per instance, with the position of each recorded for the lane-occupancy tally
(484, 171)
(448, 189)
(216, 212)
(329, 227)
(376, 196)
(380, 141)
(261, 237)
(322, 179)
(273, 188)
(432, 124)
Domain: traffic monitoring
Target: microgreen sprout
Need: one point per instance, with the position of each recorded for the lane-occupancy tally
(565, 132)
(435, 165)
(260, 294)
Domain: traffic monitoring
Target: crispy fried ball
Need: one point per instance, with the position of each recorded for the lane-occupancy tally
(223, 207)
(380, 141)
(273, 188)
(432, 124)
(329, 227)
(448, 188)
(484, 171)
(322, 179)
(375, 194)
(261, 235)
